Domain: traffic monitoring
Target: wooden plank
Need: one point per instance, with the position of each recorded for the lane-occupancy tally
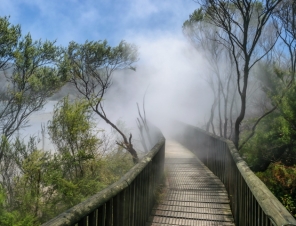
(206, 210)
(195, 204)
(194, 195)
(166, 221)
(193, 215)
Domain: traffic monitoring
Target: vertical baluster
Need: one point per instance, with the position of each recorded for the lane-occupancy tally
(118, 210)
(248, 205)
(102, 215)
(109, 212)
(132, 204)
(127, 206)
(260, 221)
(253, 210)
(83, 221)
(243, 201)
(240, 199)
(235, 182)
(258, 214)
(137, 201)
(141, 200)
(150, 190)
(145, 193)
(92, 218)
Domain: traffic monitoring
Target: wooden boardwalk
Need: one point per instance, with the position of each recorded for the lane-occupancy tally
(194, 195)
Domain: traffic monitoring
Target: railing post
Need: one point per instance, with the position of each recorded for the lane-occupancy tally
(92, 218)
(83, 222)
(118, 208)
(102, 215)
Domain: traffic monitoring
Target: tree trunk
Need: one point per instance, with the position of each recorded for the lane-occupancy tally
(241, 116)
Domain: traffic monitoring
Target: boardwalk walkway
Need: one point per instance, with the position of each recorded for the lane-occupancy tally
(194, 195)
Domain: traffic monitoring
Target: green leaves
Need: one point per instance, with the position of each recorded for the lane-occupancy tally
(36, 185)
(72, 132)
(34, 75)
(195, 17)
(281, 180)
(9, 36)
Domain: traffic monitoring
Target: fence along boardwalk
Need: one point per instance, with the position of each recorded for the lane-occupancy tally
(194, 195)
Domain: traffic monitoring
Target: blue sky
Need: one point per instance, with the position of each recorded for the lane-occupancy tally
(114, 20)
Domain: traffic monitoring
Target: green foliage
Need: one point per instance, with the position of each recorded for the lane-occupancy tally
(32, 75)
(195, 17)
(71, 131)
(43, 184)
(13, 218)
(281, 180)
(275, 136)
(272, 149)
(9, 36)
(90, 68)
(97, 55)
(36, 185)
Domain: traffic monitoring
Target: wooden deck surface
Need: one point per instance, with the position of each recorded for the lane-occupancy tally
(194, 195)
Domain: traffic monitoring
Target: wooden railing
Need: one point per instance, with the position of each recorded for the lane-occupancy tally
(128, 202)
(251, 201)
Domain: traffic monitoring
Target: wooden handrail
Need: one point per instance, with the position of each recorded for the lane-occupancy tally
(128, 201)
(252, 203)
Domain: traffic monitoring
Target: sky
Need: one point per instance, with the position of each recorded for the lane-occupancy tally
(170, 71)
(81, 20)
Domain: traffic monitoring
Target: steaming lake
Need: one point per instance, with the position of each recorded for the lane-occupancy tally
(33, 127)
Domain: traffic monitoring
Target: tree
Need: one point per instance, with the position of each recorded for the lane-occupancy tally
(9, 37)
(203, 36)
(282, 59)
(285, 20)
(72, 132)
(91, 66)
(244, 24)
(29, 75)
(32, 81)
(34, 78)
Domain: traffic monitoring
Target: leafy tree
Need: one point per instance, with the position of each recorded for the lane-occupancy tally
(34, 78)
(9, 37)
(29, 76)
(91, 66)
(71, 131)
(47, 184)
(20, 201)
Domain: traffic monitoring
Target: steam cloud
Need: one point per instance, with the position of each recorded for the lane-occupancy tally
(173, 76)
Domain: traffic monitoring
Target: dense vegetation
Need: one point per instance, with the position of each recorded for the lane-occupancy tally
(37, 184)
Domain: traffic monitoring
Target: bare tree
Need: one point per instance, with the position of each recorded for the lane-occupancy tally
(285, 20)
(143, 127)
(91, 66)
(204, 36)
(243, 24)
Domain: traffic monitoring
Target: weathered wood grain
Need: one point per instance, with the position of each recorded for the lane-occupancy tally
(194, 195)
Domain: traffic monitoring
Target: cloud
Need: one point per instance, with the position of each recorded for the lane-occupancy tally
(142, 9)
(172, 73)
(76, 20)
(170, 70)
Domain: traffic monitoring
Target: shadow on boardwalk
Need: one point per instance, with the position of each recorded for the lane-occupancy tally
(194, 195)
